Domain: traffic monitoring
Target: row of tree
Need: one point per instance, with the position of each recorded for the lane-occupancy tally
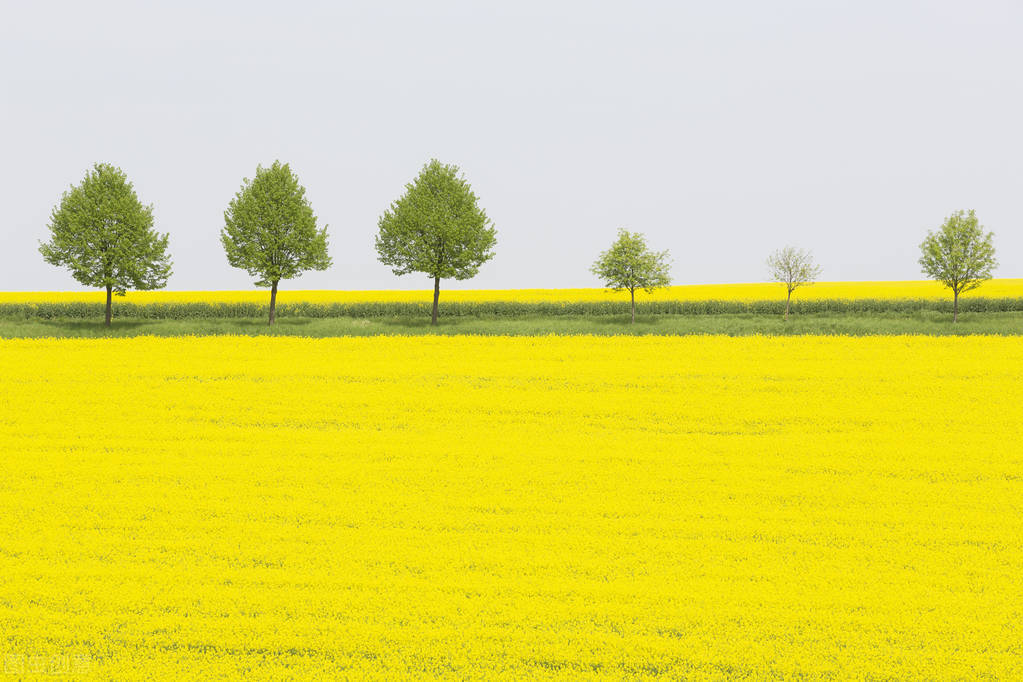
(104, 235)
(960, 255)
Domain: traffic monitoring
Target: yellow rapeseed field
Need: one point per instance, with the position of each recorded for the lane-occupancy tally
(998, 288)
(562, 507)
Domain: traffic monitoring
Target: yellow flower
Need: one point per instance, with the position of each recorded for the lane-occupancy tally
(556, 507)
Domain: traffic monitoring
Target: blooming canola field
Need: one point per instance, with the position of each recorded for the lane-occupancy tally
(554, 507)
(761, 291)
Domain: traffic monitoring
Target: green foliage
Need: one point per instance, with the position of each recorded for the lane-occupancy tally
(436, 228)
(793, 267)
(270, 230)
(960, 254)
(104, 235)
(630, 265)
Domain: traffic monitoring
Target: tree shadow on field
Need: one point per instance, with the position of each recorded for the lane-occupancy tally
(94, 327)
(416, 322)
(279, 322)
(642, 321)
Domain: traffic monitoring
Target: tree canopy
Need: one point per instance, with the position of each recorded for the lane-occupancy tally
(104, 235)
(959, 254)
(792, 267)
(630, 265)
(270, 230)
(436, 228)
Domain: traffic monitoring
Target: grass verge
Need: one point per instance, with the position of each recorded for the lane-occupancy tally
(855, 324)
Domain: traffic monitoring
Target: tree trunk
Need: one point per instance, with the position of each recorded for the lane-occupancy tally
(273, 302)
(436, 298)
(109, 300)
(955, 307)
(633, 292)
(788, 300)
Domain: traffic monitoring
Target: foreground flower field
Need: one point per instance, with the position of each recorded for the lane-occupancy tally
(568, 507)
(762, 291)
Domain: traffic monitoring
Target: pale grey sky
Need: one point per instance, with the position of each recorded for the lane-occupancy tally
(721, 130)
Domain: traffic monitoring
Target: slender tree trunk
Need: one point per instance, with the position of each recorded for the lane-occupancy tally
(788, 300)
(109, 301)
(436, 299)
(955, 307)
(273, 302)
(633, 292)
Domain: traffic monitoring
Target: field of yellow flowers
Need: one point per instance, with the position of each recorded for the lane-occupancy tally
(558, 507)
(762, 291)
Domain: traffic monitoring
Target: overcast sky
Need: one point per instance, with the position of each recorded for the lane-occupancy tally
(721, 130)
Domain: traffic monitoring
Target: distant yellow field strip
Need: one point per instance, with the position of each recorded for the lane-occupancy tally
(999, 288)
(555, 507)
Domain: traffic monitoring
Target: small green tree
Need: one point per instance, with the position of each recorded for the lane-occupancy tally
(630, 265)
(104, 235)
(436, 228)
(270, 230)
(960, 255)
(792, 267)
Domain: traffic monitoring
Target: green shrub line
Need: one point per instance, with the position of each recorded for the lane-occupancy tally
(198, 310)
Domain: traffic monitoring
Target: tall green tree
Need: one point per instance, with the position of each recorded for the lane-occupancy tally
(792, 267)
(960, 255)
(104, 235)
(436, 228)
(270, 230)
(630, 265)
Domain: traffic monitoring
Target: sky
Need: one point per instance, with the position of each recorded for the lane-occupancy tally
(720, 130)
